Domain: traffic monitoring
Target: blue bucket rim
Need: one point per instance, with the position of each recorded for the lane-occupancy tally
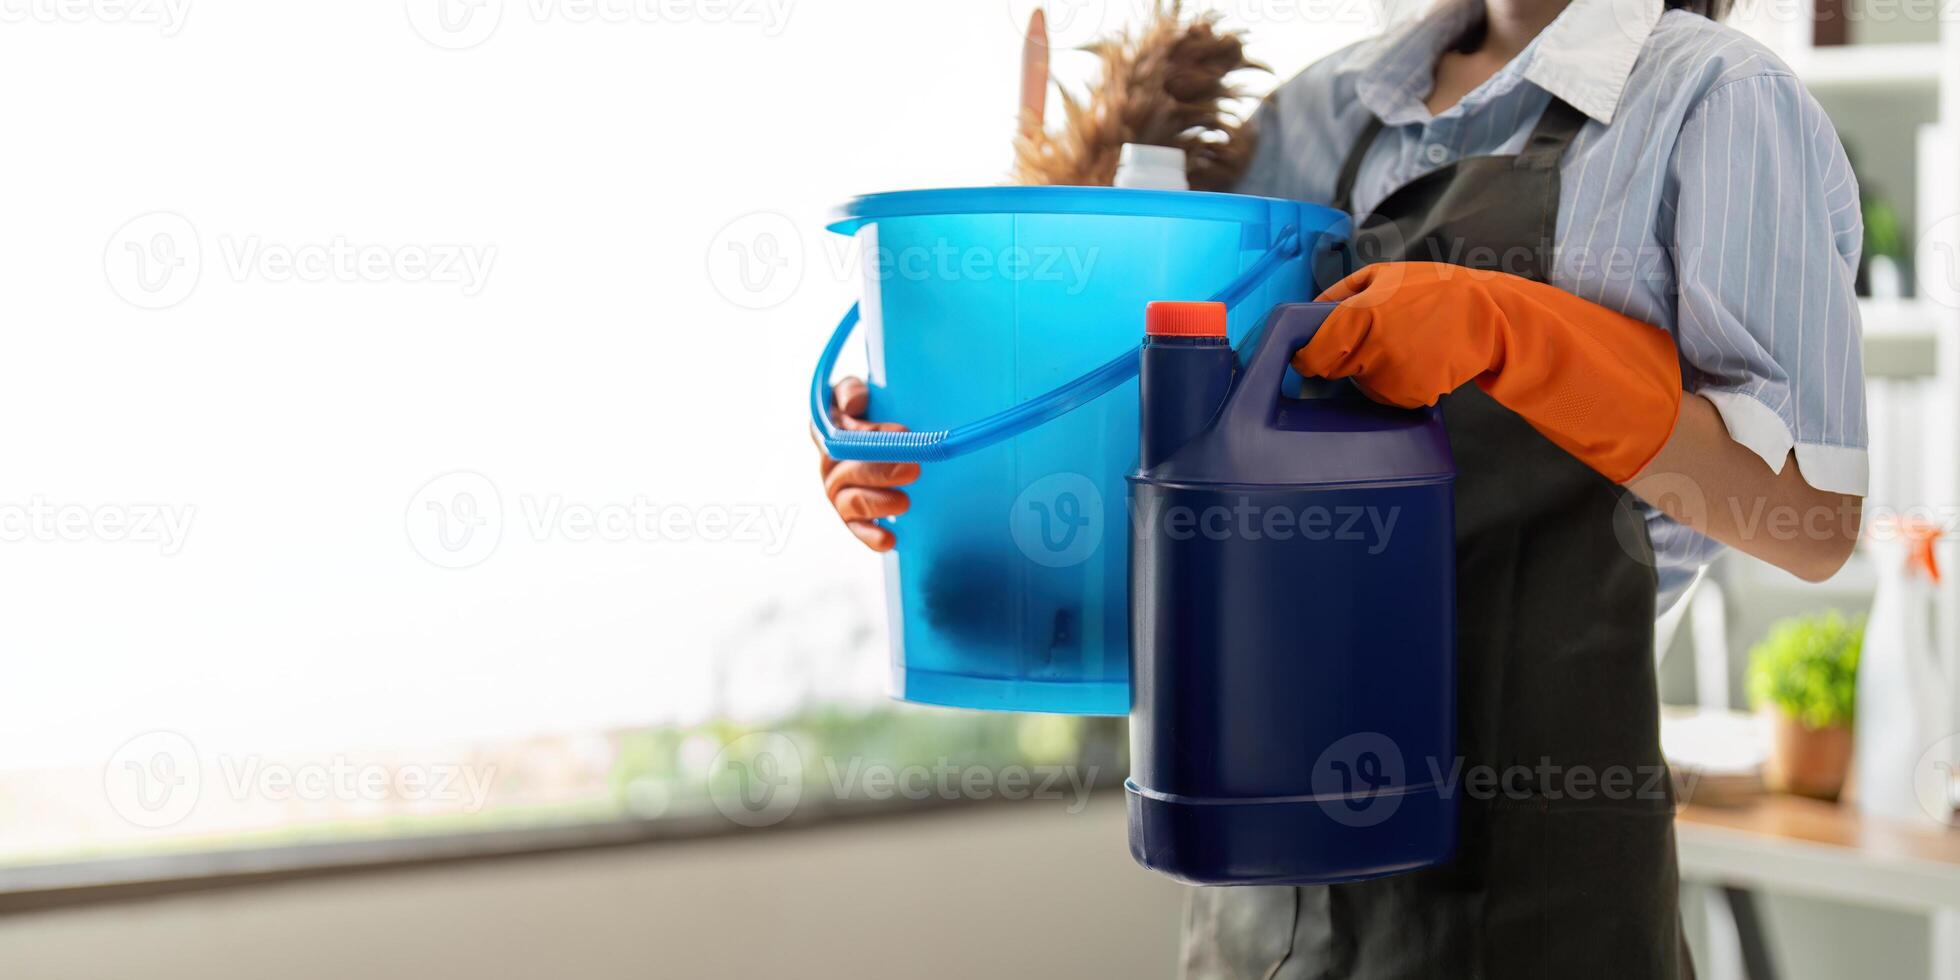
(1247, 209)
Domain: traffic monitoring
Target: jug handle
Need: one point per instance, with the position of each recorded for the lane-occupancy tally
(1288, 329)
(932, 447)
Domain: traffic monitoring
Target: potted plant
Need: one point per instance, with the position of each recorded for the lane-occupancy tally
(1804, 677)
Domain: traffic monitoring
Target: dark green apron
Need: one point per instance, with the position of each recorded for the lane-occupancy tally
(1566, 869)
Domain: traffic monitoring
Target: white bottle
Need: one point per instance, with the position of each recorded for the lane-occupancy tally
(1153, 168)
(1899, 688)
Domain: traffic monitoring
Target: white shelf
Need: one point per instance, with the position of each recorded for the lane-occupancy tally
(1901, 338)
(1915, 316)
(1870, 65)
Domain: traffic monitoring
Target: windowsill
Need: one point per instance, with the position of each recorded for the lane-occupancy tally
(42, 887)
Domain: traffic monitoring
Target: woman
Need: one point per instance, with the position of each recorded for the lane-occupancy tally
(1635, 230)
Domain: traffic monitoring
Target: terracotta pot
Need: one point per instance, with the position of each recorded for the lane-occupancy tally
(1807, 761)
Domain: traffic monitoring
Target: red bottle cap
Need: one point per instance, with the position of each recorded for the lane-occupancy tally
(1171, 319)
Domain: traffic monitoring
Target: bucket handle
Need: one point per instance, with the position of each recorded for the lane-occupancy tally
(932, 447)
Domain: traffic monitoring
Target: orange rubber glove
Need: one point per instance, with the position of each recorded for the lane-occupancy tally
(1603, 386)
(862, 491)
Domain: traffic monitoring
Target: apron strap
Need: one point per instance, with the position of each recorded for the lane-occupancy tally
(1557, 126)
(1351, 167)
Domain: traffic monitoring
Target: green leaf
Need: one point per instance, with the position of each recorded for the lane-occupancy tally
(1808, 668)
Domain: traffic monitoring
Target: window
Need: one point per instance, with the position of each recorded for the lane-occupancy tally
(405, 412)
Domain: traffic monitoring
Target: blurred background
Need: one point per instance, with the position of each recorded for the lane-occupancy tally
(409, 538)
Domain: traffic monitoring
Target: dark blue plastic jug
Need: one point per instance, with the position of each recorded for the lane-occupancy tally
(1292, 619)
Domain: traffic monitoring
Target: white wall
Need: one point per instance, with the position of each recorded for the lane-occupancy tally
(1024, 891)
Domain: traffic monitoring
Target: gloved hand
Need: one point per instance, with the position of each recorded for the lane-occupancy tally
(860, 490)
(1603, 386)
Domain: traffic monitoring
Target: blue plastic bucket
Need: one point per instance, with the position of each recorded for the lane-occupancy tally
(1002, 326)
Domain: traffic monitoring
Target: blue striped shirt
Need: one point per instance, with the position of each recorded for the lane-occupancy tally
(1707, 195)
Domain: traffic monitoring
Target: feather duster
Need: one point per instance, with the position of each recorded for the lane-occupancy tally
(1165, 84)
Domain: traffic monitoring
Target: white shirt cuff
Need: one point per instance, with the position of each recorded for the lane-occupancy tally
(1832, 469)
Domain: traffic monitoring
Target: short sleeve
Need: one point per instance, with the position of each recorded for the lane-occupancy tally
(1766, 231)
